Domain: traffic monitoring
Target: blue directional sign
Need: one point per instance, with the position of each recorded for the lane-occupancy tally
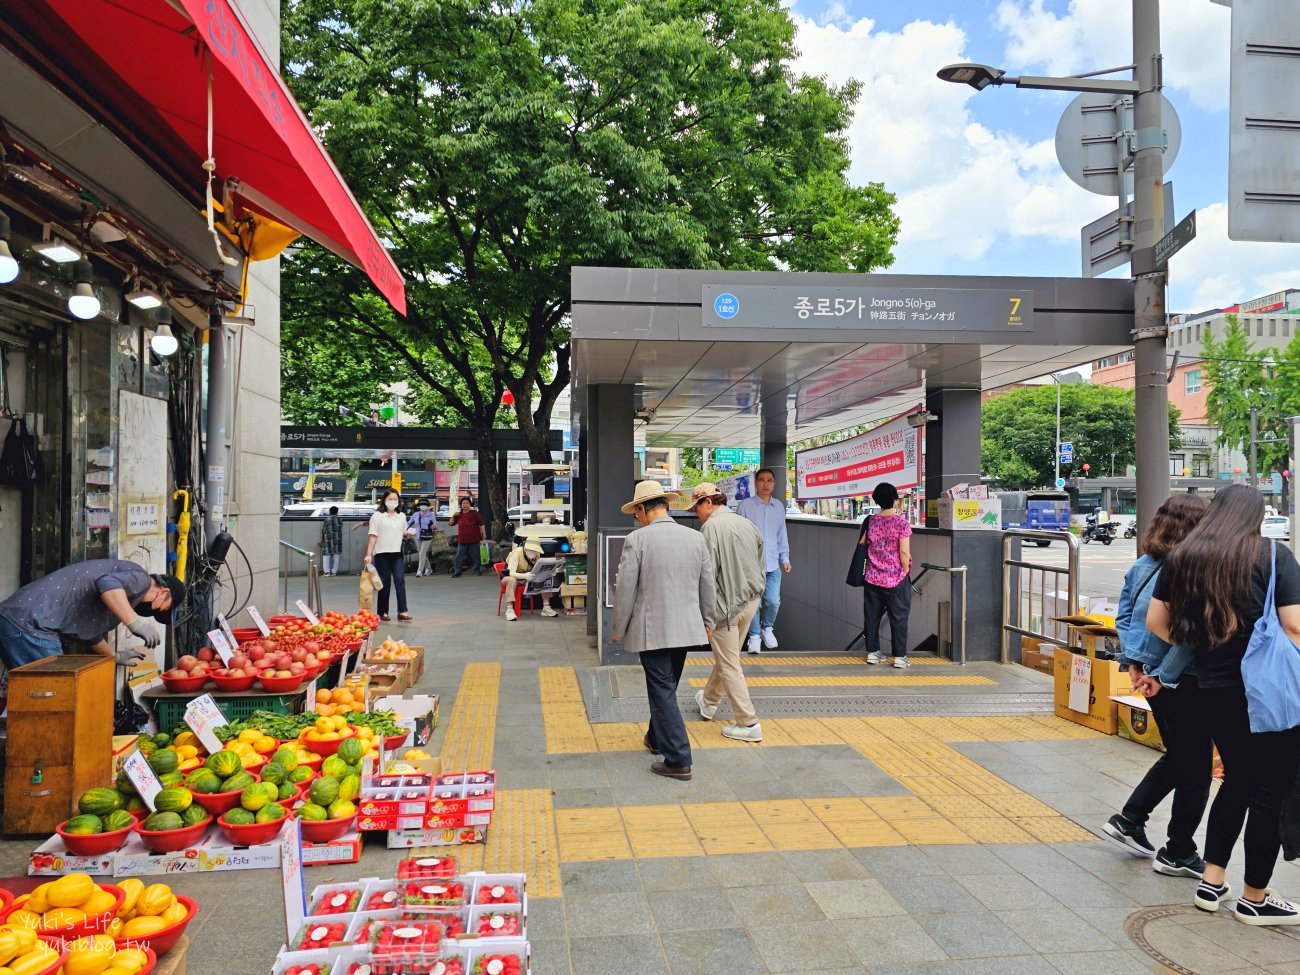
(1067, 453)
(726, 305)
(1060, 483)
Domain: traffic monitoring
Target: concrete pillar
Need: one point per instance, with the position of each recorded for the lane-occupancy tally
(609, 468)
(773, 455)
(952, 443)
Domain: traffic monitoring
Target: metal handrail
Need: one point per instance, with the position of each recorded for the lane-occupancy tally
(313, 577)
(956, 570)
(1011, 598)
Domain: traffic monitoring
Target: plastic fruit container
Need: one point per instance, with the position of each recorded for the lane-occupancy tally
(185, 685)
(325, 830)
(93, 844)
(233, 683)
(251, 834)
(166, 939)
(281, 685)
(171, 840)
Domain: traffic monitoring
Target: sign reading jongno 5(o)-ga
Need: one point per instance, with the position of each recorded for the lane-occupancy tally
(890, 452)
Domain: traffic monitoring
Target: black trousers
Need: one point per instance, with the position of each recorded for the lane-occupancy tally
(877, 601)
(1257, 772)
(1184, 769)
(468, 554)
(663, 672)
(392, 573)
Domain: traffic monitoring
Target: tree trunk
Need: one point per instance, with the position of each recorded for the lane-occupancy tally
(489, 486)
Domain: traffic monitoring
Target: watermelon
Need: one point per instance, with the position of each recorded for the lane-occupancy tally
(162, 740)
(99, 802)
(162, 762)
(301, 774)
(334, 767)
(287, 790)
(342, 809)
(193, 815)
(175, 799)
(270, 813)
(253, 798)
(312, 813)
(350, 770)
(239, 817)
(286, 757)
(84, 825)
(224, 763)
(118, 819)
(147, 747)
(162, 822)
(135, 804)
(237, 781)
(350, 787)
(323, 790)
(203, 780)
(274, 772)
(123, 784)
(171, 778)
(351, 751)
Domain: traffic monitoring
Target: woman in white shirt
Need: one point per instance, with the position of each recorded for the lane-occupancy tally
(384, 550)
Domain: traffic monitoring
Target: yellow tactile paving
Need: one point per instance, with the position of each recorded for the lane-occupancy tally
(471, 732)
(804, 731)
(790, 660)
(523, 838)
(915, 680)
(564, 713)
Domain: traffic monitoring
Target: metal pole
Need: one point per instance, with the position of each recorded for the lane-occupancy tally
(1254, 447)
(1058, 429)
(1149, 325)
(218, 435)
(396, 404)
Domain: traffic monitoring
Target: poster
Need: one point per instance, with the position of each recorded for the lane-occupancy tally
(851, 468)
(737, 488)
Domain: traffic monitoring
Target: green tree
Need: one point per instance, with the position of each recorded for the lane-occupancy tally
(1240, 377)
(1018, 436)
(497, 146)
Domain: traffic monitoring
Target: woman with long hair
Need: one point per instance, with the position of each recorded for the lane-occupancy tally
(1208, 597)
(388, 530)
(1184, 769)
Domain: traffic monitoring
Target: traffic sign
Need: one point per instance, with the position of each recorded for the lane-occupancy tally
(1067, 453)
(1107, 242)
(1060, 482)
(1174, 241)
(735, 455)
(1093, 141)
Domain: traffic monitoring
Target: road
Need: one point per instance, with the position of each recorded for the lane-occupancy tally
(1101, 567)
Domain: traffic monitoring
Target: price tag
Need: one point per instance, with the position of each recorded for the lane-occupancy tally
(1080, 683)
(295, 893)
(312, 618)
(220, 644)
(256, 617)
(225, 628)
(204, 717)
(142, 776)
(310, 699)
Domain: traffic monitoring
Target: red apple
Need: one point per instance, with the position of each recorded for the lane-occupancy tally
(240, 660)
(296, 668)
(311, 646)
(268, 645)
(187, 662)
(207, 653)
(235, 672)
(256, 652)
(298, 656)
(283, 673)
(176, 674)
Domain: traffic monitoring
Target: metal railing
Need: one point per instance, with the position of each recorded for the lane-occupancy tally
(954, 570)
(313, 596)
(1023, 602)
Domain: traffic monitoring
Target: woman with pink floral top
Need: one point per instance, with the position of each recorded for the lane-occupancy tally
(888, 589)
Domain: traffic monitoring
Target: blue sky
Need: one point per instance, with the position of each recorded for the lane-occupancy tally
(980, 190)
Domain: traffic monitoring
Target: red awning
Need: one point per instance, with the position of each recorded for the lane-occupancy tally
(262, 143)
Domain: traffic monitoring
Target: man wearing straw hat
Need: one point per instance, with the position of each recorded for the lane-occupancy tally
(663, 607)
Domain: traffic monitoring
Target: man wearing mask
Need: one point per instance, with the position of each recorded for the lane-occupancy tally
(80, 605)
(424, 523)
(768, 516)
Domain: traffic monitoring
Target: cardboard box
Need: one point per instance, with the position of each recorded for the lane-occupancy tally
(414, 665)
(213, 853)
(403, 839)
(1137, 722)
(123, 746)
(345, 849)
(1041, 657)
(1105, 680)
(966, 515)
(454, 819)
(377, 824)
(52, 859)
(395, 795)
(1091, 634)
(420, 709)
(383, 680)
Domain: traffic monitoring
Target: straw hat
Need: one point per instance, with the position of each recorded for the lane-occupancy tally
(705, 489)
(645, 491)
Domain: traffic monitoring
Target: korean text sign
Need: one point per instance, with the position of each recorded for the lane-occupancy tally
(890, 452)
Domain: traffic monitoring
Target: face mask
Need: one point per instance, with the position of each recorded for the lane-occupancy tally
(390, 504)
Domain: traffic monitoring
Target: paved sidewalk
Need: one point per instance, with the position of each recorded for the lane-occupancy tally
(930, 822)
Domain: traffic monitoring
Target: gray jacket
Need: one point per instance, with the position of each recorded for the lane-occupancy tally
(739, 573)
(664, 596)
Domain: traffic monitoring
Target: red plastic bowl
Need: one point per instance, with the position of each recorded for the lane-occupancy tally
(95, 844)
(395, 741)
(58, 943)
(326, 748)
(221, 802)
(6, 901)
(283, 620)
(251, 834)
(351, 646)
(171, 840)
(325, 830)
(166, 939)
(233, 683)
(281, 685)
(243, 633)
(185, 685)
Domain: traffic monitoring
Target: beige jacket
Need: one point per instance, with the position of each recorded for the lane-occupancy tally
(664, 595)
(736, 548)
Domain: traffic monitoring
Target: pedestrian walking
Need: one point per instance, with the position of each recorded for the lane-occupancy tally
(664, 600)
(888, 581)
(388, 533)
(424, 522)
(1179, 709)
(470, 534)
(1210, 593)
(331, 541)
(768, 516)
(736, 550)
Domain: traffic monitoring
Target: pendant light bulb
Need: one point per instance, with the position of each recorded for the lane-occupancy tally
(163, 342)
(8, 266)
(83, 303)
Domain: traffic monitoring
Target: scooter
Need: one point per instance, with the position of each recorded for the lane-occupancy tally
(1131, 530)
(1100, 533)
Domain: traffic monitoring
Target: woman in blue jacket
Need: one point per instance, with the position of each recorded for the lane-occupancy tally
(1185, 768)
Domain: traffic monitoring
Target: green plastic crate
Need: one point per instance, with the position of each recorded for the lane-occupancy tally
(170, 710)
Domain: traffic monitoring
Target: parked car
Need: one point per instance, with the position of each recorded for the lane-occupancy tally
(1276, 526)
(319, 509)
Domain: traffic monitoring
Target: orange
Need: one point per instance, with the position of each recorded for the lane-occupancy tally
(323, 696)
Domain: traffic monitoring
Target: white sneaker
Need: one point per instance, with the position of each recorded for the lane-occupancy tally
(901, 663)
(706, 712)
(876, 658)
(769, 638)
(739, 732)
(755, 645)
(547, 611)
(510, 613)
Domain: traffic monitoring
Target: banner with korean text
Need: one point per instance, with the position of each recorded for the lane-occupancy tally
(890, 452)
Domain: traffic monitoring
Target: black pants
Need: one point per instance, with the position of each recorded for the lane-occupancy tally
(1257, 772)
(468, 553)
(877, 601)
(663, 672)
(392, 573)
(1184, 769)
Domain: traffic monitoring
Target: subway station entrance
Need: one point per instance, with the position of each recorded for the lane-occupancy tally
(766, 359)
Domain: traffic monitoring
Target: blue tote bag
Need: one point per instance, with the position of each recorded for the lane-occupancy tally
(1270, 668)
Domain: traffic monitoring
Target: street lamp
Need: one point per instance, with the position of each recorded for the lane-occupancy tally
(980, 76)
(1071, 378)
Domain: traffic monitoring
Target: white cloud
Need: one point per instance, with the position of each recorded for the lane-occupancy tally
(1095, 34)
(1215, 272)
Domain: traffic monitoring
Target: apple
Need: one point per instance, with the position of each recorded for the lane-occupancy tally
(311, 646)
(187, 662)
(176, 674)
(298, 656)
(207, 653)
(256, 652)
(221, 672)
(235, 672)
(240, 660)
(283, 673)
(296, 668)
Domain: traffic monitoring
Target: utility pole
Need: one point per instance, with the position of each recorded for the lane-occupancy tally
(1057, 476)
(1150, 330)
(1254, 446)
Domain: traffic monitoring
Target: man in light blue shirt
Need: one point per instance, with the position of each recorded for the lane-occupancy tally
(768, 516)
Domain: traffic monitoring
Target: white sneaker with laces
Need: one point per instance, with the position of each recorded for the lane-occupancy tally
(755, 645)
(547, 611)
(876, 658)
(510, 613)
(901, 663)
(769, 638)
(706, 712)
(739, 732)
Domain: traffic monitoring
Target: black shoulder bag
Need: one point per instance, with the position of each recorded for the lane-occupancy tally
(857, 577)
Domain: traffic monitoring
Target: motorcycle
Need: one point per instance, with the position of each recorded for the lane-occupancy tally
(1098, 533)
(1131, 530)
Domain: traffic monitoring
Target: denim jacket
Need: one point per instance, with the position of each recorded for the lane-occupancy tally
(1137, 644)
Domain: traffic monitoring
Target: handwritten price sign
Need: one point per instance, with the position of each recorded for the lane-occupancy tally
(312, 618)
(225, 650)
(256, 617)
(204, 717)
(142, 776)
